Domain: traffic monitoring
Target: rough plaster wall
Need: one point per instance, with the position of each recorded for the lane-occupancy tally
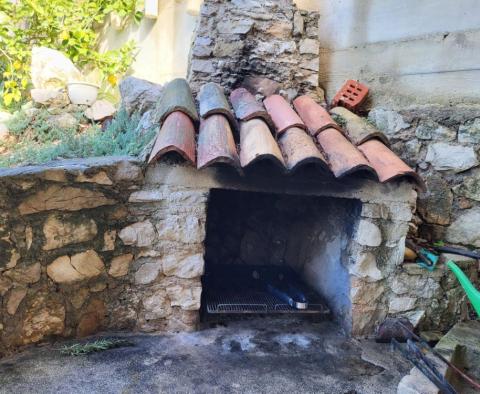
(408, 52)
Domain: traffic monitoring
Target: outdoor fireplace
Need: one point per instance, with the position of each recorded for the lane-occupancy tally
(277, 253)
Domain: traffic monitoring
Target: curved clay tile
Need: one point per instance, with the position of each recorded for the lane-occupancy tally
(213, 101)
(314, 115)
(283, 116)
(177, 96)
(216, 143)
(358, 129)
(257, 143)
(246, 107)
(343, 158)
(299, 149)
(177, 134)
(387, 164)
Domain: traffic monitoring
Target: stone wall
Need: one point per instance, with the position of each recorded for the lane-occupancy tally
(83, 249)
(101, 244)
(443, 144)
(272, 39)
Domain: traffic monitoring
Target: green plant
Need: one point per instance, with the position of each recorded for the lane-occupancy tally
(70, 26)
(81, 349)
(37, 140)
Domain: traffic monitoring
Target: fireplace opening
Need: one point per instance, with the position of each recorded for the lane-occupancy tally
(277, 253)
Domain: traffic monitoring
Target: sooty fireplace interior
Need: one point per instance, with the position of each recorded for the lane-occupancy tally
(276, 253)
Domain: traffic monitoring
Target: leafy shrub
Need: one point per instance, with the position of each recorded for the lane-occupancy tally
(70, 26)
(38, 141)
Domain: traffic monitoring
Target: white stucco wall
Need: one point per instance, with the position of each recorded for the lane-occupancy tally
(407, 51)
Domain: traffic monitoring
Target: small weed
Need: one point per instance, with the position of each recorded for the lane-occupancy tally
(81, 349)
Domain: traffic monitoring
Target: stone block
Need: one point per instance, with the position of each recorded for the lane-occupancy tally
(469, 133)
(390, 122)
(63, 198)
(470, 186)
(141, 234)
(80, 266)
(44, 316)
(465, 228)
(183, 267)
(401, 304)
(186, 297)
(15, 298)
(368, 234)
(148, 272)
(60, 230)
(366, 267)
(435, 206)
(25, 275)
(120, 265)
(450, 157)
(309, 46)
(157, 306)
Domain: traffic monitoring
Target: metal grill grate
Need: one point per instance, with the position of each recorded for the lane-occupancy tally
(254, 301)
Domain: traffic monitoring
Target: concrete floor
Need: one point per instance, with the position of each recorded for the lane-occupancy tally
(252, 356)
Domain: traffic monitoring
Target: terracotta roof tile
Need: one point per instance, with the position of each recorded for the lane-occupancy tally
(213, 101)
(299, 149)
(358, 129)
(177, 134)
(313, 115)
(177, 96)
(342, 156)
(216, 143)
(331, 148)
(257, 143)
(283, 116)
(246, 107)
(387, 164)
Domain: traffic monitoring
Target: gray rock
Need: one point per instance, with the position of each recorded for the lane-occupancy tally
(390, 122)
(202, 66)
(449, 157)
(428, 130)
(401, 304)
(470, 133)
(101, 109)
(465, 229)
(298, 24)
(227, 48)
(50, 97)
(470, 187)
(368, 234)
(243, 26)
(309, 46)
(313, 65)
(139, 95)
(275, 47)
(263, 86)
(435, 206)
(202, 47)
(63, 121)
